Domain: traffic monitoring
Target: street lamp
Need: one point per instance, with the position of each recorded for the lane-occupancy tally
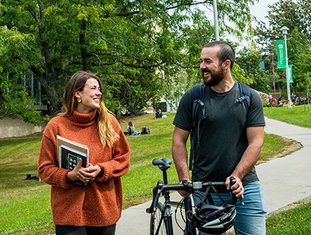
(216, 19)
(284, 31)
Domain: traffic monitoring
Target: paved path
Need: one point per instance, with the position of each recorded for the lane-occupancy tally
(288, 179)
(284, 180)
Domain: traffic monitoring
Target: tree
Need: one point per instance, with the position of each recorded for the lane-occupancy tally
(249, 60)
(15, 102)
(296, 16)
(137, 47)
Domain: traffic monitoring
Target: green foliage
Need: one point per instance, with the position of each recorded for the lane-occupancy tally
(249, 60)
(15, 102)
(239, 75)
(296, 16)
(138, 47)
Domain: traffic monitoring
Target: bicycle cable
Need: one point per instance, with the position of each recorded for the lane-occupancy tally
(179, 205)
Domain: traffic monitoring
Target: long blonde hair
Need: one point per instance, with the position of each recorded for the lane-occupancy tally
(106, 132)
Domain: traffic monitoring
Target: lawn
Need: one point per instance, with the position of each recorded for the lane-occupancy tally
(25, 205)
(299, 115)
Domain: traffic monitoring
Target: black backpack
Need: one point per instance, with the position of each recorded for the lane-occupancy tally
(198, 95)
(145, 130)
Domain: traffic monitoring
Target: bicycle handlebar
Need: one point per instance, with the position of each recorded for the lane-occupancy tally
(185, 186)
(161, 187)
(190, 186)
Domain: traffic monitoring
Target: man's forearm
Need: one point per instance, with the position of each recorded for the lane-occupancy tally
(255, 137)
(179, 152)
(181, 161)
(247, 162)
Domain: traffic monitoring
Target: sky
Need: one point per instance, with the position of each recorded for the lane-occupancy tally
(260, 10)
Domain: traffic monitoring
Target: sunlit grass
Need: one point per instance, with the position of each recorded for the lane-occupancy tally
(299, 115)
(294, 221)
(25, 205)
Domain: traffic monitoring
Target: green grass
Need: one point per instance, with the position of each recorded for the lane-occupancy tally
(25, 205)
(294, 221)
(299, 115)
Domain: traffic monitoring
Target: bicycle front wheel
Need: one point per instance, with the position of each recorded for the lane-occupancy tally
(158, 221)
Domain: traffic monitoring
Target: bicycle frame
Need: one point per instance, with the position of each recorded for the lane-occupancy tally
(164, 189)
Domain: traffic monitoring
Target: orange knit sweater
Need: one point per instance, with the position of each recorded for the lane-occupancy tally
(100, 202)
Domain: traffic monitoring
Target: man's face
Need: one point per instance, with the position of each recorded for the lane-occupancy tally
(212, 70)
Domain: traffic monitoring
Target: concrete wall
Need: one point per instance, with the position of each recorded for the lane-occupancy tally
(15, 128)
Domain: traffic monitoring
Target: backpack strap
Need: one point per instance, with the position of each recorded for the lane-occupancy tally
(197, 95)
(245, 92)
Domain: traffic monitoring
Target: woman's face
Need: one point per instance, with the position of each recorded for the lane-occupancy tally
(89, 97)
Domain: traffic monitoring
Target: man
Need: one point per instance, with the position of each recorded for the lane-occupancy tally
(230, 137)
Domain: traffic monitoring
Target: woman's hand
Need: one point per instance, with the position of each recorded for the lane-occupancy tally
(89, 173)
(82, 174)
(73, 174)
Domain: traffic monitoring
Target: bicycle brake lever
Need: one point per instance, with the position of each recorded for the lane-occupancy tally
(233, 181)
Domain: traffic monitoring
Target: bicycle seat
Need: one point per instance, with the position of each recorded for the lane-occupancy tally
(162, 162)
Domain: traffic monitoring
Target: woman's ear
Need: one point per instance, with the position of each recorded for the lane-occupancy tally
(77, 95)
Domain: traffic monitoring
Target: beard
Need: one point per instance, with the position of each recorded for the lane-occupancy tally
(215, 77)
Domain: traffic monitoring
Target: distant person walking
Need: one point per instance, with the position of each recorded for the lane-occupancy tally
(96, 207)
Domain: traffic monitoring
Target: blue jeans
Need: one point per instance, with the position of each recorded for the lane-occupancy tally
(251, 217)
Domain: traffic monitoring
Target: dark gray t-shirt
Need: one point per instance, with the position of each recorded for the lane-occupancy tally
(222, 133)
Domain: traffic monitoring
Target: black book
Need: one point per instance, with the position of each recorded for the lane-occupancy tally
(69, 154)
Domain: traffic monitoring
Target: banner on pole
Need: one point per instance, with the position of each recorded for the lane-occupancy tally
(281, 53)
(290, 72)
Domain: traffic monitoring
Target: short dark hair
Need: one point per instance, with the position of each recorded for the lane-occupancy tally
(226, 51)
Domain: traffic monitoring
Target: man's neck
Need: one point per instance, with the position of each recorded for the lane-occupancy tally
(225, 85)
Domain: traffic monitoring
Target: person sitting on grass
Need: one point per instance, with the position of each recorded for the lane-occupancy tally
(159, 114)
(131, 129)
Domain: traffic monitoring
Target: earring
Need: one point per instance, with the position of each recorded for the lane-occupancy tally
(79, 100)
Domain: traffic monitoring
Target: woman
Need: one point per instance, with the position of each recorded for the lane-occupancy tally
(95, 208)
(131, 129)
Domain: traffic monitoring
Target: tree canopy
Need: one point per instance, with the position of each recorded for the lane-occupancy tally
(142, 50)
(296, 16)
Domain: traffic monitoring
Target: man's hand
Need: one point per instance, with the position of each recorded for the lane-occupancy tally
(182, 192)
(236, 188)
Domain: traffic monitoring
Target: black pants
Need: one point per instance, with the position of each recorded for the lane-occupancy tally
(84, 230)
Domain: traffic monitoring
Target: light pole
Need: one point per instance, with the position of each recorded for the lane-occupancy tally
(216, 20)
(284, 31)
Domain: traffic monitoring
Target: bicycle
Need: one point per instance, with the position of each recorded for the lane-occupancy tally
(161, 212)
